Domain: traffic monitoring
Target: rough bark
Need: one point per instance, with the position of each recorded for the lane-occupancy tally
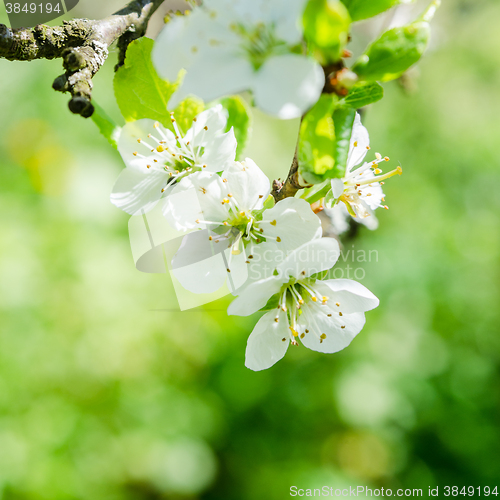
(83, 46)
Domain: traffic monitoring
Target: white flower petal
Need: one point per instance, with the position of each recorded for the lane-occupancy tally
(177, 46)
(351, 295)
(220, 154)
(217, 73)
(337, 338)
(337, 187)
(248, 184)
(288, 15)
(254, 297)
(288, 85)
(293, 222)
(263, 259)
(198, 264)
(136, 191)
(207, 125)
(196, 197)
(361, 138)
(266, 345)
(313, 257)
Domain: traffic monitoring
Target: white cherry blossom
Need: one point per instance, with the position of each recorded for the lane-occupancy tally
(230, 214)
(325, 315)
(155, 157)
(360, 189)
(229, 46)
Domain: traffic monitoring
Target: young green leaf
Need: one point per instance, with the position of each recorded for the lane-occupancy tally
(362, 94)
(394, 52)
(239, 118)
(317, 141)
(363, 9)
(326, 29)
(343, 120)
(106, 125)
(186, 111)
(139, 91)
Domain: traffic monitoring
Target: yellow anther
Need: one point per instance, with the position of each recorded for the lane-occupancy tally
(378, 156)
(367, 147)
(323, 336)
(377, 171)
(160, 148)
(273, 223)
(386, 158)
(355, 144)
(340, 314)
(337, 304)
(342, 326)
(149, 166)
(210, 238)
(157, 124)
(301, 301)
(302, 335)
(278, 239)
(204, 166)
(205, 127)
(314, 299)
(135, 153)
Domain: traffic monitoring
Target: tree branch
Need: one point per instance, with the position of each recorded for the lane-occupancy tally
(292, 183)
(82, 44)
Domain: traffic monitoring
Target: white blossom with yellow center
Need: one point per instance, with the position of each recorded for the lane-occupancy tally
(361, 188)
(229, 46)
(155, 157)
(233, 215)
(324, 315)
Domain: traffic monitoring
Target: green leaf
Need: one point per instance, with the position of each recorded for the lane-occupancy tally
(362, 94)
(317, 141)
(326, 29)
(394, 52)
(239, 118)
(363, 9)
(186, 111)
(139, 91)
(106, 125)
(343, 120)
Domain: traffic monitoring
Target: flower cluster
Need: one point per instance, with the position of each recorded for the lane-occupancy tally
(271, 255)
(275, 256)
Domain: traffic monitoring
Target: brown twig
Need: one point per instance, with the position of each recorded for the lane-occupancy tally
(292, 183)
(82, 44)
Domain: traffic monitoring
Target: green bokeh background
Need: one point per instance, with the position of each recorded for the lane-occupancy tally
(108, 392)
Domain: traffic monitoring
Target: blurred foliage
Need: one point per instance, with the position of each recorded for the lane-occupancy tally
(106, 392)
